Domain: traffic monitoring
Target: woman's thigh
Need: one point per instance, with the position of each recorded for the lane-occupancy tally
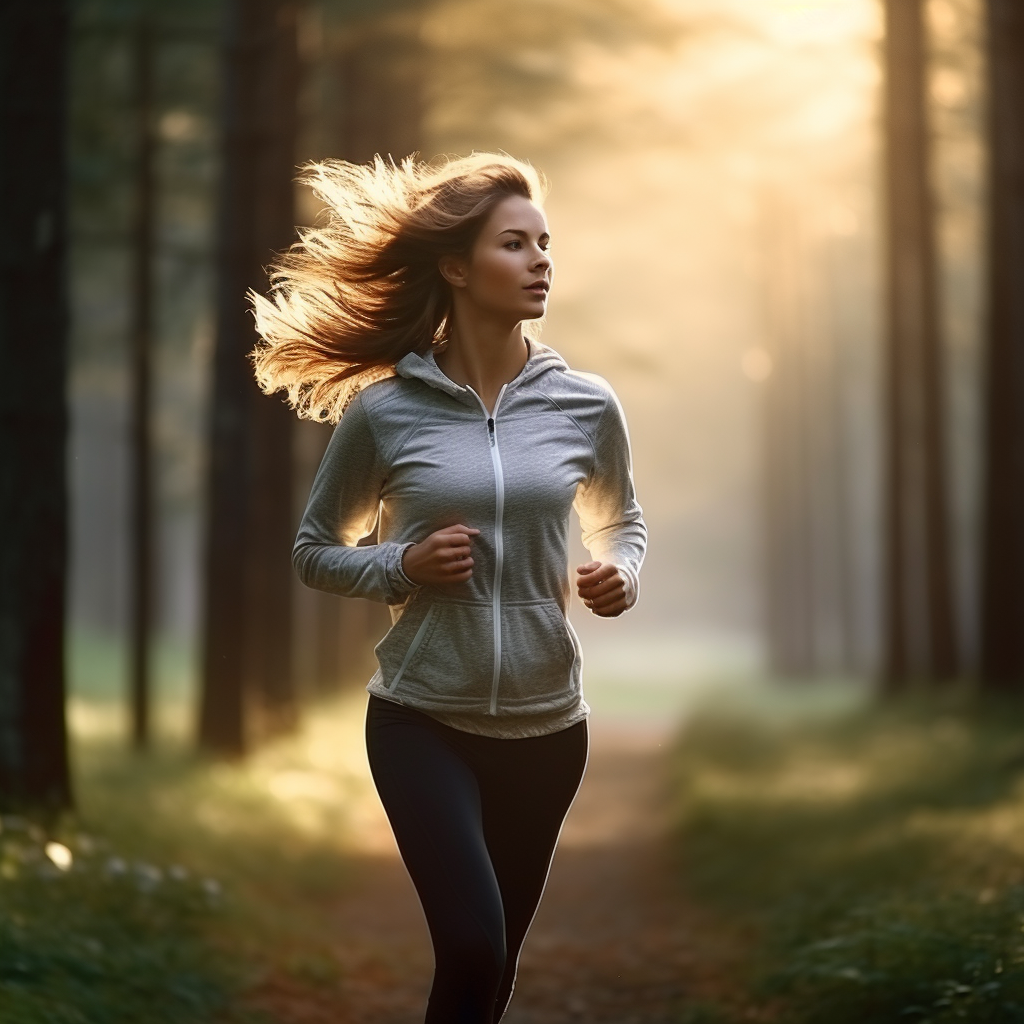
(524, 803)
(432, 799)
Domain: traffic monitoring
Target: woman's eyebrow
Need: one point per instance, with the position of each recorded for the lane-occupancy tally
(522, 234)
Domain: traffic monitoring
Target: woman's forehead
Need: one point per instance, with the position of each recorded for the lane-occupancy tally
(517, 214)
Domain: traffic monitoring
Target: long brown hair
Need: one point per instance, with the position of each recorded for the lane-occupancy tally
(354, 295)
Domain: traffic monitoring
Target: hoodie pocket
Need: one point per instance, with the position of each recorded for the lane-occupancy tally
(399, 645)
(442, 653)
(446, 656)
(538, 652)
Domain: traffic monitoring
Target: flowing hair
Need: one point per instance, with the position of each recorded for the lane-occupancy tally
(355, 294)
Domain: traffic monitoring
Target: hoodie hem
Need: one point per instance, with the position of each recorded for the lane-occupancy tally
(504, 725)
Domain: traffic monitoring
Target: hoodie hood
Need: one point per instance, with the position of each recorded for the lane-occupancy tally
(541, 360)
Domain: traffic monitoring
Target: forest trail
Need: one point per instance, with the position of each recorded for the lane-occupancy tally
(611, 944)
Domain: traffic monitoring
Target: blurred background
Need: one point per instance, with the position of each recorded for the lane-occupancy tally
(789, 234)
(716, 202)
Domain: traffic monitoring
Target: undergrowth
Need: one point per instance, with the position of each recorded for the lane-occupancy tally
(178, 884)
(875, 862)
(87, 937)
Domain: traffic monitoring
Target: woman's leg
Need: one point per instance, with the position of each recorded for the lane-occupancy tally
(526, 792)
(432, 799)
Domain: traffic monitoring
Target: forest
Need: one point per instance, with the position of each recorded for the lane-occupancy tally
(791, 237)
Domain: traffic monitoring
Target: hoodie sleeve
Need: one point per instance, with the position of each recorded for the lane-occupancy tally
(613, 526)
(342, 508)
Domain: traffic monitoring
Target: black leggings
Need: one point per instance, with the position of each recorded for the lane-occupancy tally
(476, 820)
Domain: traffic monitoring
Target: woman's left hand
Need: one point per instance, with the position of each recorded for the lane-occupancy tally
(602, 588)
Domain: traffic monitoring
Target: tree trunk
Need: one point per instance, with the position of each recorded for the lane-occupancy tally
(791, 606)
(1002, 584)
(845, 612)
(33, 408)
(247, 682)
(143, 245)
(919, 634)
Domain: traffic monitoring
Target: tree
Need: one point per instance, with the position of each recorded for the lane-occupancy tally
(247, 686)
(143, 252)
(1002, 564)
(791, 604)
(919, 632)
(33, 410)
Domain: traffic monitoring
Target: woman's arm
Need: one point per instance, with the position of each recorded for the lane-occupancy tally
(342, 508)
(614, 531)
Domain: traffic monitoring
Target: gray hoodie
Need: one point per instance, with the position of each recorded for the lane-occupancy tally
(417, 452)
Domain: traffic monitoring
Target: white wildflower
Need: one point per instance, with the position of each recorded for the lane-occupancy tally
(60, 855)
(147, 877)
(116, 867)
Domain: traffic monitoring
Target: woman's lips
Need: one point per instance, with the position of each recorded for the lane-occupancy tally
(541, 288)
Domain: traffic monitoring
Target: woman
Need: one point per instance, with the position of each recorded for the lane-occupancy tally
(465, 442)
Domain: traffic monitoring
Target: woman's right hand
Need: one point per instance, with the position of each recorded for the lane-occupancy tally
(443, 557)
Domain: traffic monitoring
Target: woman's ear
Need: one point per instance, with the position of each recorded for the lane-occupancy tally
(454, 270)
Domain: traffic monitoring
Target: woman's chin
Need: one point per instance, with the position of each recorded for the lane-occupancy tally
(530, 310)
(534, 310)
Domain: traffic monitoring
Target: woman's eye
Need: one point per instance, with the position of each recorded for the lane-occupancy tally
(514, 244)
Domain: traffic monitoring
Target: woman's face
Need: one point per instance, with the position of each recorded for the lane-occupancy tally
(508, 273)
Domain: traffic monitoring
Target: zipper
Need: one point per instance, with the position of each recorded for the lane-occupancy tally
(499, 544)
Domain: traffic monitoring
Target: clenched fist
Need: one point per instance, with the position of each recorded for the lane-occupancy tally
(602, 588)
(443, 557)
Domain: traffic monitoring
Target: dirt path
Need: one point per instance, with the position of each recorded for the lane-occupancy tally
(610, 942)
(610, 945)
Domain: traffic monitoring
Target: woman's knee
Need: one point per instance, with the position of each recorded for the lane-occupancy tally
(474, 949)
(468, 973)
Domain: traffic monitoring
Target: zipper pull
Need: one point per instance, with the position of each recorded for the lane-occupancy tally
(490, 430)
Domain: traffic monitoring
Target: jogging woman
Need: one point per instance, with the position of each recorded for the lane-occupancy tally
(465, 442)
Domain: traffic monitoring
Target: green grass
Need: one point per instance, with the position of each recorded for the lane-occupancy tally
(190, 882)
(870, 862)
(103, 939)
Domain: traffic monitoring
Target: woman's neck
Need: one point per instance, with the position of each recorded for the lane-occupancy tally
(484, 356)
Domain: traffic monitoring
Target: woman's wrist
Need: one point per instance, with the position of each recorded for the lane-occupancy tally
(406, 578)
